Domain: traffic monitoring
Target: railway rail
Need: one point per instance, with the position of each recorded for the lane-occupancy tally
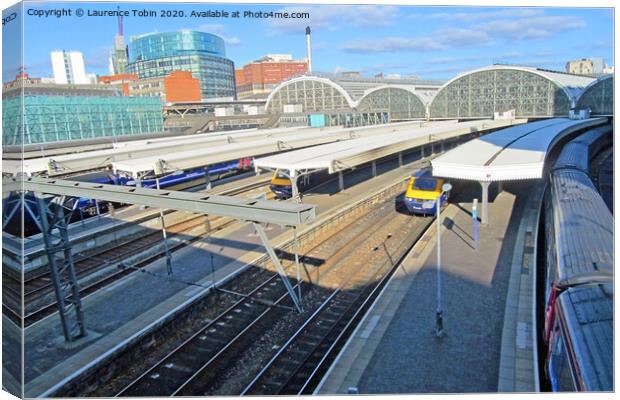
(300, 363)
(342, 270)
(38, 290)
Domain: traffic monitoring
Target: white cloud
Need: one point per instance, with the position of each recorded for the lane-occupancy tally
(441, 40)
(332, 18)
(453, 37)
(513, 25)
(531, 28)
(487, 15)
(220, 30)
(394, 44)
(455, 60)
(98, 58)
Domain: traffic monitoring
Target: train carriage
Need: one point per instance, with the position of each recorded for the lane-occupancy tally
(578, 274)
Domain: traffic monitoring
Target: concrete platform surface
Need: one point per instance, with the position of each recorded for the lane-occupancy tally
(125, 309)
(395, 350)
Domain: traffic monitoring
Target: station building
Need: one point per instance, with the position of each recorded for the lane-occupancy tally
(34, 112)
(598, 97)
(351, 100)
(157, 55)
(258, 78)
(179, 86)
(530, 92)
(121, 81)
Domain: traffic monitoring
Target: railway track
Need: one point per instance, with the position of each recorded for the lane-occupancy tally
(300, 363)
(38, 290)
(343, 268)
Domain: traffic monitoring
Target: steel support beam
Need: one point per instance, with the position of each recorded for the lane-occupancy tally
(165, 236)
(340, 181)
(54, 219)
(485, 202)
(400, 159)
(9, 208)
(374, 168)
(279, 268)
(280, 213)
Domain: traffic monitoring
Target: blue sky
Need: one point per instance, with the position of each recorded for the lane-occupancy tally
(430, 42)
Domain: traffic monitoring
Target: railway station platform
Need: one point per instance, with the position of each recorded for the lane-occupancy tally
(127, 310)
(487, 344)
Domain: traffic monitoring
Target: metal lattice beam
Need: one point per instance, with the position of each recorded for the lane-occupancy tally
(266, 211)
(54, 220)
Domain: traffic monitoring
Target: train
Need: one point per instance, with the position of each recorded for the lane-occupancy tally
(577, 290)
(85, 207)
(422, 192)
(219, 170)
(280, 184)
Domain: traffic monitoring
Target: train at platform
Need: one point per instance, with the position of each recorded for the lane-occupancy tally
(576, 284)
(423, 189)
(282, 187)
(84, 208)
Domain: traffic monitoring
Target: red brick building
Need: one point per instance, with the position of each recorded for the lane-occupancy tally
(260, 77)
(179, 86)
(120, 80)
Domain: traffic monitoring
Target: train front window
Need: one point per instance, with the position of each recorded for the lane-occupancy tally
(281, 175)
(425, 184)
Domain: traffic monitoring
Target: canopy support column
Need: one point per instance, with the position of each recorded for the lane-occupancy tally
(165, 236)
(400, 158)
(139, 185)
(374, 168)
(422, 151)
(295, 188)
(279, 268)
(340, 181)
(207, 178)
(485, 202)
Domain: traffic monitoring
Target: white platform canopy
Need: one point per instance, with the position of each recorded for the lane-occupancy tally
(177, 161)
(336, 157)
(513, 153)
(89, 160)
(165, 147)
(241, 134)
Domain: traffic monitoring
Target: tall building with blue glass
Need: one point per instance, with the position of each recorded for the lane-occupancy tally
(158, 54)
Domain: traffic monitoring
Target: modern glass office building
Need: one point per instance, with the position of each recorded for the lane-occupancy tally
(203, 54)
(49, 118)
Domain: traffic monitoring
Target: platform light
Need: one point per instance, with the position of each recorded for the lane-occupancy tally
(439, 316)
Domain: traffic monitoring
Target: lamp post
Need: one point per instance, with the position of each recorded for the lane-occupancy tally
(439, 316)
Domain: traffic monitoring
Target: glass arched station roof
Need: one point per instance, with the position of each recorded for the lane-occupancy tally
(531, 92)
